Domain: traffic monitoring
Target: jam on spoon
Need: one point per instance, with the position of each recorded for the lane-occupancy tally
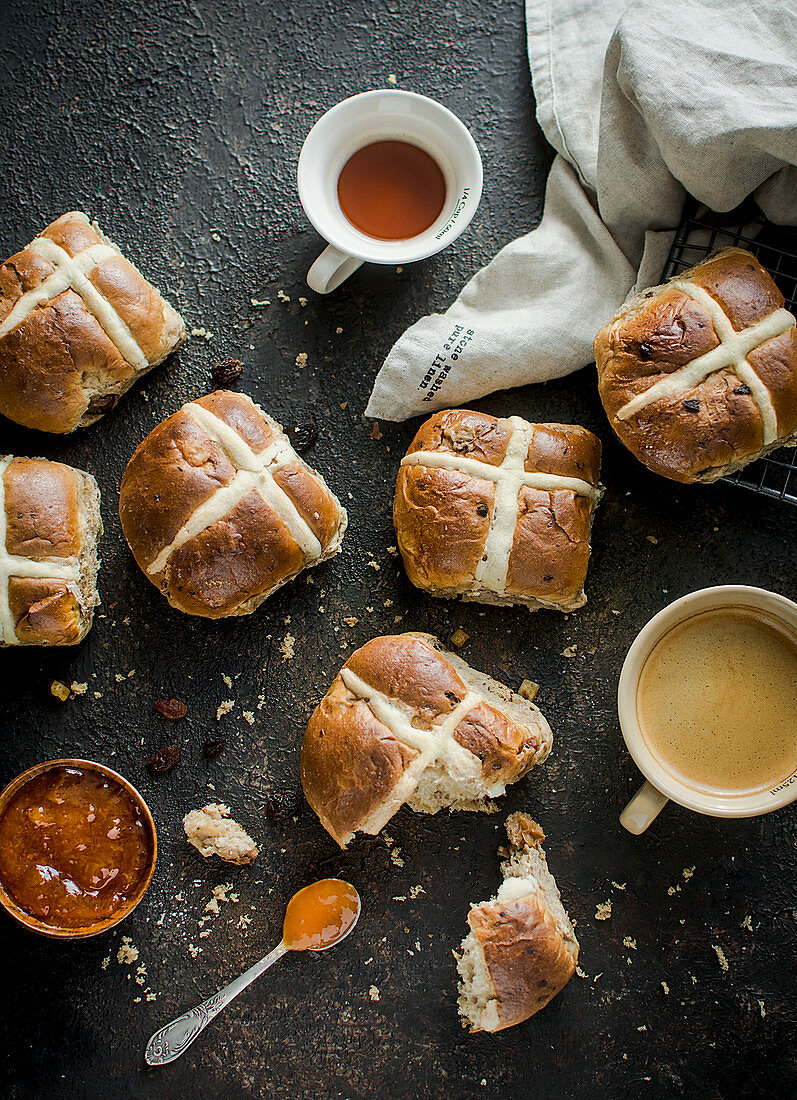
(317, 918)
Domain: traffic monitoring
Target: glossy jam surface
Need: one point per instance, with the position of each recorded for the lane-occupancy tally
(391, 190)
(717, 702)
(74, 847)
(320, 915)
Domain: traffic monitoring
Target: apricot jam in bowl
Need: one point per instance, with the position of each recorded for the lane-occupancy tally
(77, 848)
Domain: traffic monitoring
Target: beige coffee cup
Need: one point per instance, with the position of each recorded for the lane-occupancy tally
(662, 785)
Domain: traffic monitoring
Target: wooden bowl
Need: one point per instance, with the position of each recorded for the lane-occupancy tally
(127, 907)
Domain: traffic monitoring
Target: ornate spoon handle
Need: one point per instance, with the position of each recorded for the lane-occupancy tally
(176, 1037)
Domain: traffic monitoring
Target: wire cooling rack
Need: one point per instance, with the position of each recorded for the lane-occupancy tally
(703, 232)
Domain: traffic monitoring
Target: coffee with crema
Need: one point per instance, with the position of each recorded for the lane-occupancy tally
(717, 702)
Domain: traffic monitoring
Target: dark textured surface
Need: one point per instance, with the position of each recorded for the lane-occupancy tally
(179, 126)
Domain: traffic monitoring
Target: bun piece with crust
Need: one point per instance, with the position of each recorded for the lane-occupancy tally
(220, 511)
(521, 949)
(407, 722)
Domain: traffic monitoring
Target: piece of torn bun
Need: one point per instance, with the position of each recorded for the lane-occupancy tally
(521, 949)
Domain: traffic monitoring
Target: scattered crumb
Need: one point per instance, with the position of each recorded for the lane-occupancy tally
(569, 652)
(221, 894)
(629, 942)
(244, 920)
(120, 679)
(747, 923)
(688, 872)
(666, 988)
(127, 952)
(225, 706)
(391, 79)
(105, 961)
(375, 432)
(373, 993)
(415, 890)
(260, 301)
(616, 612)
(226, 680)
(581, 973)
(459, 637)
(721, 956)
(211, 833)
(604, 910)
(762, 1008)
(619, 885)
(350, 620)
(302, 302)
(673, 890)
(249, 716)
(78, 689)
(339, 330)
(374, 565)
(287, 647)
(653, 539)
(301, 359)
(203, 332)
(283, 297)
(193, 951)
(151, 996)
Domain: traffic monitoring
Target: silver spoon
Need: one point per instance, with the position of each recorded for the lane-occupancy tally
(304, 929)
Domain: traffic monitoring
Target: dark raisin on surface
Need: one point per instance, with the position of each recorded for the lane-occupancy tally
(163, 760)
(645, 350)
(171, 708)
(548, 577)
(452, 697)
(213, 747)
(692, 404)
(483, 510)
(226, 371)
(742, 390)
(283, 804)
(305, 435)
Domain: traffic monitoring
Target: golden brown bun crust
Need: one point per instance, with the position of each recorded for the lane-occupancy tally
(442, 516)
(353, 765)
(52, 511)
(233, 563)
(720, 428)
(59, 370)
(524, 950)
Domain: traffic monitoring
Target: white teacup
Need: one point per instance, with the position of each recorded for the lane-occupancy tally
(662, 785)
(390, 115)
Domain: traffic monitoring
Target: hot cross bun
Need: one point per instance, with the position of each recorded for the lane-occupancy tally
(49, 526)
(219, 510)
(79, 324)
(699, 376)
(498, 510)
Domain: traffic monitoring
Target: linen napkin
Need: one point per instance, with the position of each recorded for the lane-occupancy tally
(643, 102)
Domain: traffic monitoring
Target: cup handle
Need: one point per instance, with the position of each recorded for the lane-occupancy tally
(331, 269)
(643, 809)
